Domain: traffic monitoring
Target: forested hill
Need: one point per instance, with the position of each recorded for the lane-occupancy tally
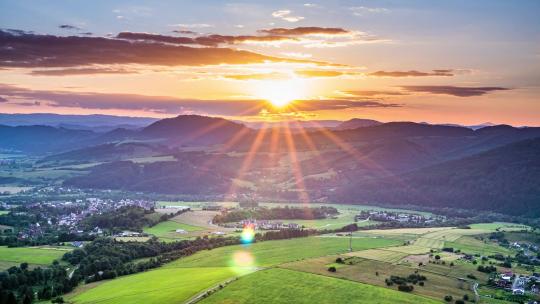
(505, 179)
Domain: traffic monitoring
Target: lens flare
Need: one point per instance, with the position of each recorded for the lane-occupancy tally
(243, 259)
(248, 234)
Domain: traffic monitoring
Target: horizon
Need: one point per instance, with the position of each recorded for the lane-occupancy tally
(274, 62)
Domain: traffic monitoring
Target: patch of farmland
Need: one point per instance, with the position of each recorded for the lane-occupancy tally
(164, 285)
(472, 245)
(375, 272)
(276, 252)
(409, 249)
(379, 255)
(33, 255)
(168, 229)
(429, 243)
(452, 235)
(288, 286)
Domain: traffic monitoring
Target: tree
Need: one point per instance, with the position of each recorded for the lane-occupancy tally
(332, 269)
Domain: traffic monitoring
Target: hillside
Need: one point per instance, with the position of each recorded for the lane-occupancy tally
(505, 179)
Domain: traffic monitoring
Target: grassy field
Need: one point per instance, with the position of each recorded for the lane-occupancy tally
(167, 229)
(375, 272)
(429, 243)
(287, 286)
(379, 255)
(472, 245)
(164, 285)
(31, 255)
(2, 212)
(275, 252)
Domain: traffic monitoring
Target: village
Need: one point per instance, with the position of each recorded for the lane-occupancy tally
(398, 217)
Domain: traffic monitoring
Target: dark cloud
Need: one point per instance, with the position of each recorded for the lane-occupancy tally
(208, 40)
(22, 49)
(172, 105)
(86, 33)
(338, 104)
(453, 90)
(2, 99)
(80, 71)
(324, 73)
(372, 93)
(185, 32)
(69, 27)
(411, 73)
(307, 30)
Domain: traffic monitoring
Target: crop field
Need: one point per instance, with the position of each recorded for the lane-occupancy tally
(267, 286)
(168, 229)
(164, 285)
(32, 255)
(375, 272)
(409, 249)
(13, 189)
(379, 255)
(429, 243)
(275, 252)
(500, 226)
(2, 212)
(472, 245)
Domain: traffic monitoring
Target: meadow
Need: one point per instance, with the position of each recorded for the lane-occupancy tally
(32, 255)
(287, 286)
(167, 229)
(164, 285)
(275, 252)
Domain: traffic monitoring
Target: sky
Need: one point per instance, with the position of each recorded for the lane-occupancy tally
(465, 62)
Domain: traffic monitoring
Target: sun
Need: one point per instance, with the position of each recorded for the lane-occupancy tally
(280, 93)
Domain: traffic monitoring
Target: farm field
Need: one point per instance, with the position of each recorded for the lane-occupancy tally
(275, 252)
(375, 272)
(472, 245)
(167, 229)
(32, 255)
(379, 255)
(429, 242)
(267, 287)
(164, 285)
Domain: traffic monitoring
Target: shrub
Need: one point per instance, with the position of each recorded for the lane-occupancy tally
(448, 298)
(339, 260)
(332, 269)
(460, 302)
(405, 288)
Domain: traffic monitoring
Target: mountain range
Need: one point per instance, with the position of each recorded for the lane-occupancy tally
(360, 161)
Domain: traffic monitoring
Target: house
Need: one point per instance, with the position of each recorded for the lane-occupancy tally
(518, 287)
(180, 231)
(77, 244)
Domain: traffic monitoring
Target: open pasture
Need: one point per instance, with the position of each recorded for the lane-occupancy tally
(164, 285)
(276, 252)
(409, 249)
(288, 286)
(472, 245)
(379, 255)
(429, 243)
(33, 255)
(167, 229)
(375, 272)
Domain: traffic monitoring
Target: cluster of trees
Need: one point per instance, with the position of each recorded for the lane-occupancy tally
(278, 213)
(132, 218)
(487, 268)
(403, 282)
(22, 285)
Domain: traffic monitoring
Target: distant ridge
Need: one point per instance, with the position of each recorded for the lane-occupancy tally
(357, 123)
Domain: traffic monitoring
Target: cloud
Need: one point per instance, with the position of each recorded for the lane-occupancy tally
(69, 27)
(255, 76)
(325, 73)
(185, 32)
(193, 25)
(44, 51)
(338, 104)
(286, 15)
(453, 90)
(306, 30)
(373, 93)
(2, 99)
(411, 73)
(80, 71)
(172, 105)
(363, 10)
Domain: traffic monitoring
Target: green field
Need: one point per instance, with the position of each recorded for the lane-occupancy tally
(168, 228)
(276, 252)
(472, 245)
(379, 255)
(288, 286)
(164, 285)
(2, 212)
(31, 255)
